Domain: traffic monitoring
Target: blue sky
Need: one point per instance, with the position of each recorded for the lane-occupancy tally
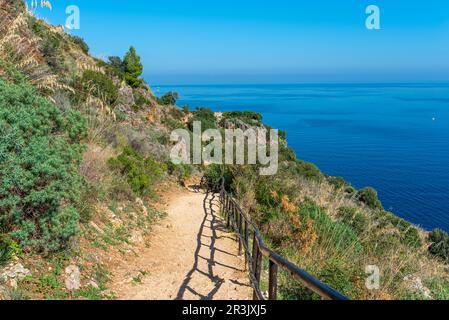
(247, 41)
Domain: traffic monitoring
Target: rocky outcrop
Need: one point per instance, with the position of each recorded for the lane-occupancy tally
(13, 273)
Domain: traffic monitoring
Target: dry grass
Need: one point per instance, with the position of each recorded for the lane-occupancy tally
(20, 47)
(85, 65)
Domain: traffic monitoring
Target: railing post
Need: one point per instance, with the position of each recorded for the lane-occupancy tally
(273, 281)
(254, 256)
(257, 261)
(220, 198)
(247, 244)
(240, 231)
(228, 212)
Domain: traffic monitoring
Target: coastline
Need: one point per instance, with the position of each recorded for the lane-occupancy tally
(390, 168)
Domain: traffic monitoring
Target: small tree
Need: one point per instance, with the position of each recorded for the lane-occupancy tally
(168, 99)
(133, 68)
(116, 62)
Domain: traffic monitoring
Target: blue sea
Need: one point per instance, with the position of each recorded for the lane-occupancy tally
(393, 137)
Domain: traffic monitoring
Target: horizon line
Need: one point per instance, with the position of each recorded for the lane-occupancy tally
(412, 82)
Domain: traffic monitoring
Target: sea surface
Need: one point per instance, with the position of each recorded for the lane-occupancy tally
(393, 137)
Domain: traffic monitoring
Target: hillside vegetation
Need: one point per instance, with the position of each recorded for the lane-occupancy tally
(84, 156)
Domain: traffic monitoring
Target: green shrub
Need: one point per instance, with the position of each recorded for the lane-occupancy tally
(286, 153)
(265, 190)
(8, 248)
(116, 66)
(248, 117)
(50, 45)
(140, 101)
(308, 170)
(168, 99)
(215, 172)
(181, 171)
(369, 197)
(40, 158)
(38, 28)
(409, 235)
(100, 86)
(354, 219)
(141, 172)
(282, 135)
(50, 50)
(337, 182)
(439, 244)
(80, 43)
(206, 117)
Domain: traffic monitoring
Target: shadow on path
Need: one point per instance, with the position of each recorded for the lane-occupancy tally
(205, 260)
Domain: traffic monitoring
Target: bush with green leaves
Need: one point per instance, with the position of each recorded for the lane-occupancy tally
(100, 86)
(40, 154)
(181, 171)
(8, 248)
(140, 101)
(249, 117)
(369, 197)
(409, 235)
(51, 43)
(207, 118)
(439, 244)
(80, 43)
(341, 184)
(308, 170)
(168, 99)
(141, 172)
(215, 172)
(116, 66)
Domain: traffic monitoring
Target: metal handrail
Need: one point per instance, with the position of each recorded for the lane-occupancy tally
(242, 226)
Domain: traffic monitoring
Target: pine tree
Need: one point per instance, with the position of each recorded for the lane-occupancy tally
(133, 68)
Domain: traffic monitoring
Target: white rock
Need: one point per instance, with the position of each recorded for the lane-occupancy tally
(136, 237)
(73, 279)
(14, 271)
(93, 283)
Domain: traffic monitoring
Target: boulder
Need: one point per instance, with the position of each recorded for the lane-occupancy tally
(73, 279)
(13, 273)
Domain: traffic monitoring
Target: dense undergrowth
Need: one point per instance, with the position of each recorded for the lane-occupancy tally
(83, 148)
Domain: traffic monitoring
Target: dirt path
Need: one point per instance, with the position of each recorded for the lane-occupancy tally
(189, 256)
